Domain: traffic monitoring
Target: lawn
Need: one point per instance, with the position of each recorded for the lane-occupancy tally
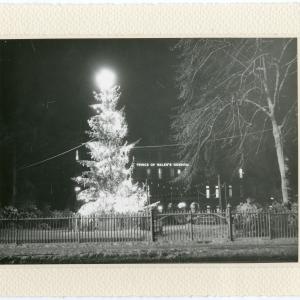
(285, 250)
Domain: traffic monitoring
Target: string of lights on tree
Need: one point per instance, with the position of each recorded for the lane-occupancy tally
(107, 185)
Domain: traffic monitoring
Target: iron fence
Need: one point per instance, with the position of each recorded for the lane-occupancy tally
(202, 226)
(98, 228)
(265, 224)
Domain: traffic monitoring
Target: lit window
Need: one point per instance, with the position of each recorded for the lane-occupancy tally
(217, 191)
(241, 173)
(178, 172)
(148, 172)
(207, 192)
(230, 191)
(159, 173)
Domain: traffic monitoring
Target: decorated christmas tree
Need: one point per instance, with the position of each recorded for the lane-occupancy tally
(107, 185)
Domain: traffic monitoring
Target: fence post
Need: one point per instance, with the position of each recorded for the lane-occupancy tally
(17, 225)
(152, 225)
(269, 225)
(77, 221)
(229, 221)
(192, 234)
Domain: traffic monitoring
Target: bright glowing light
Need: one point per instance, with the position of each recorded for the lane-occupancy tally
(105, 79)
(77, 189)
(160, 208)
(181, 205)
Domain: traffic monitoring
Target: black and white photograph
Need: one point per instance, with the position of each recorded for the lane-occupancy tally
(148, 150)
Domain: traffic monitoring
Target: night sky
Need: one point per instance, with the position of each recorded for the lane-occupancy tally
(46, 89)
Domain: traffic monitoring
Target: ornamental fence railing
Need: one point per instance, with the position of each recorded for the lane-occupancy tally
(200, 226)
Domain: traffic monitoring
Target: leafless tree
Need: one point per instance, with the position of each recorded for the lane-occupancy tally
(234, 92)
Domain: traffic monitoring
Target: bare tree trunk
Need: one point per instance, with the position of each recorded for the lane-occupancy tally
(281, 160)
(278, 139)
(14, 176)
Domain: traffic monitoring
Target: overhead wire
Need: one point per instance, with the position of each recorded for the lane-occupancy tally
(55, 156)
(135, 147)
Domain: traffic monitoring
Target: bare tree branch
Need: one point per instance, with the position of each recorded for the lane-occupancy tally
(262, 108)
(224, 85)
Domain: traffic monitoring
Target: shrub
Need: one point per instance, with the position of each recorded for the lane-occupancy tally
(247, 207)
(61, 213)
(282, 208)
(31, 211)
(9, 212)
(294, 207)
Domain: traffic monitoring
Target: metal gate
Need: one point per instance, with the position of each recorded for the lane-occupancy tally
(192, 226)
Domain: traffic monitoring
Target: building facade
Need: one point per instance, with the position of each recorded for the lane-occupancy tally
(158, 171)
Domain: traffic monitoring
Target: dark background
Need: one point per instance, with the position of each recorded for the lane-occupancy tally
(46, 87)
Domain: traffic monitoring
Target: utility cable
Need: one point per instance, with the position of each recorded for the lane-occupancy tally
(135, 147)
(55, 156)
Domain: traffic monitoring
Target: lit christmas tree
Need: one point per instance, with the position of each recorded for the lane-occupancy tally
(107, 185)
